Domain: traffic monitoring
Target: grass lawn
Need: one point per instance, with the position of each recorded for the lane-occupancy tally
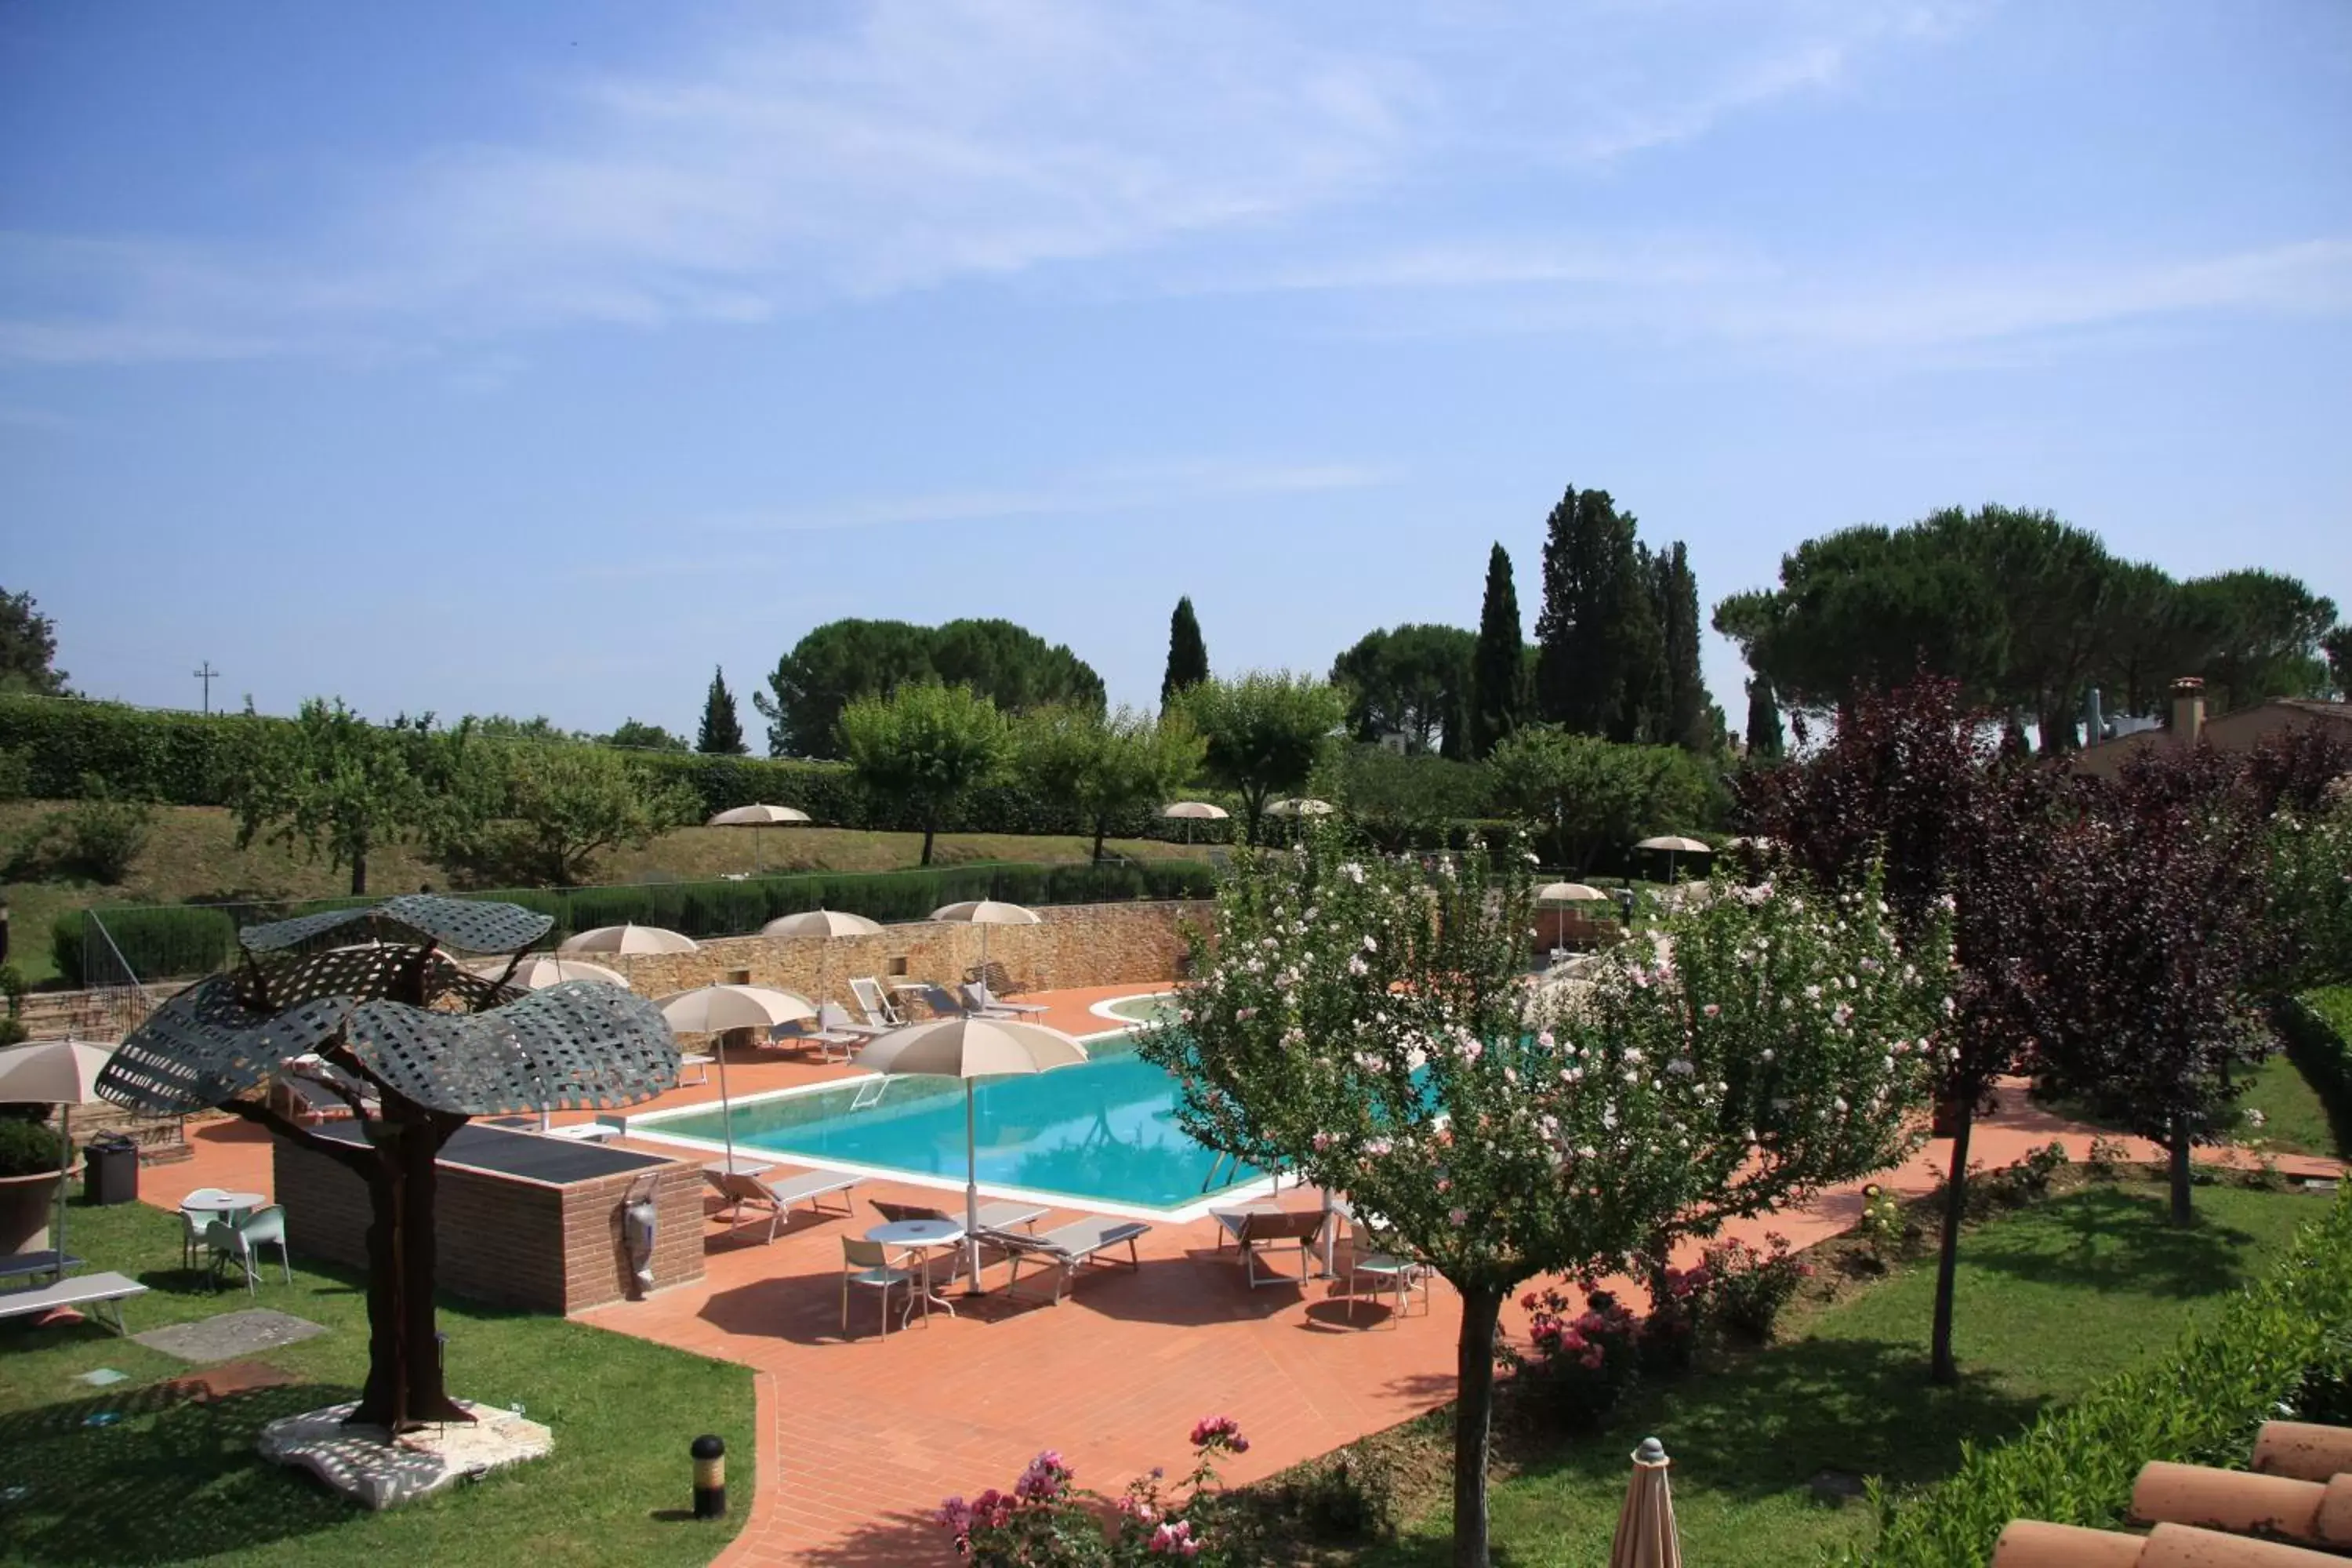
(191, 856)
(2051, 1300)
(2294, 1120)
(172, 1480)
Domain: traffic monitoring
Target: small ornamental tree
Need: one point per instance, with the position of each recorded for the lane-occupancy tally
(1367, 1022)
(1265, 732)
(1905, 792)
(1105, 765)
(924, 748)
(330, 784)
(2147, 936)
(572, 803)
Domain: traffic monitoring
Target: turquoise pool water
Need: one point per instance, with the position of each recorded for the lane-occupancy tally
(1105, 1131)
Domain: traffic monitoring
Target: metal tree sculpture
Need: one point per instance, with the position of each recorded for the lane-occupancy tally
(365, 1004)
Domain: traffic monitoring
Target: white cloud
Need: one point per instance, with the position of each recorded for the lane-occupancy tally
(797, 158)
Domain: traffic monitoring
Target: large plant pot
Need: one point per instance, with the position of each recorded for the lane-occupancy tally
(27, 1203)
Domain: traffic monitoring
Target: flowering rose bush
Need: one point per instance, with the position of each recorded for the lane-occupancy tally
(1047, 1522)
(1580, 1363)
(1883, 1227)
(1746, 1286)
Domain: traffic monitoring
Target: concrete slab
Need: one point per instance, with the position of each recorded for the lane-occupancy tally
(231, 1335)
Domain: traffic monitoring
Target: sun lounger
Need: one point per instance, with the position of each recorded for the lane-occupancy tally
(876, 1007)
(98, 1291)
(1256, 1229)
(740, 1188)
(17, 1265)
(977, 998)
(1003, 1215)
(1068, 1248)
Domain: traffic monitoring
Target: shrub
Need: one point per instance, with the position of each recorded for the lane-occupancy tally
(1347, 1496)
(28, 1148)
(15, 774)
(1746, 1287)
(2201, 1404)
(103, 837)
(1576, 1368)
(1047, 1522)
(2318, 1028)
(1885, 1229)
(2107, 1160)
(175, 939)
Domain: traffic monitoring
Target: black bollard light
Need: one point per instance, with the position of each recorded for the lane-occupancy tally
(709, 1477)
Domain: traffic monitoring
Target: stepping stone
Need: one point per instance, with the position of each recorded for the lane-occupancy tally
(230, 1336)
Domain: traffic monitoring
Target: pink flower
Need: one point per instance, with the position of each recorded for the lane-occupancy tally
(1712, 1010)
(1459, 1218)
(1219, 1431)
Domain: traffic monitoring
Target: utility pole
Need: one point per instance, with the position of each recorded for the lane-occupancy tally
(207, 674)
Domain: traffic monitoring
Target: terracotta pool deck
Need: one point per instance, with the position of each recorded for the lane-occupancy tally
(860, 1438)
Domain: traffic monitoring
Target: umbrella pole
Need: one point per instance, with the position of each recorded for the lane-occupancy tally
(64, 1163)
(971, 1189)
(726, 1111)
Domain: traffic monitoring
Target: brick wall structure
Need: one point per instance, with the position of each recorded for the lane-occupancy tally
(507, 1240)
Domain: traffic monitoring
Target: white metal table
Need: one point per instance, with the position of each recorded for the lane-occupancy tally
(228, 1206)
(925, 1236)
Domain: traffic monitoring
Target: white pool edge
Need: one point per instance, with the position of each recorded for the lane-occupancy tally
(643, 1128)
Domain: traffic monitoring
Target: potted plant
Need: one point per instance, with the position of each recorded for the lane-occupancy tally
(32, 1157)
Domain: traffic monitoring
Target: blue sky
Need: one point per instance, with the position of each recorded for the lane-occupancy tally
(536, 359)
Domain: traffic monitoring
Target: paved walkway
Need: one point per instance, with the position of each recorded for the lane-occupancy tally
(860, 1438)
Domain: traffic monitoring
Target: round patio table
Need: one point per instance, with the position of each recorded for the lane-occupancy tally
(925, 1236)
(228, 1206)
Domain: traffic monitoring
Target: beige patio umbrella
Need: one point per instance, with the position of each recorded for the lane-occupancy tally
(1189, 812)
(1646, 1530)
(1300, 806)
(984, 913)
(714, 1010)
(537, 971)
(829, 924)
(970, 1048)
(758, 816)
(1674, 844)
(627, 939)
(63, 1073)
(1570, 893)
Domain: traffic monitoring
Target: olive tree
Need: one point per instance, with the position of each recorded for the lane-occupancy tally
(1369, 1022)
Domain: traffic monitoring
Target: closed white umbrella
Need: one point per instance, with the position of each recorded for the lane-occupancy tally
(984, 913)
(63, 1073)
(539, 972)
(1189, 812)
(759, 817)
(714, 1009)
(627, 939)
(1674, 844)
(971, 1049)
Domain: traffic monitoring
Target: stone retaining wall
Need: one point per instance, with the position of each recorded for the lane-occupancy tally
(1074, 945)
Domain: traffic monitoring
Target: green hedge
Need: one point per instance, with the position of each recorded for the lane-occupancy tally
(169, 941)
(183, 759)
(2318, 1028)
(2199, 1405)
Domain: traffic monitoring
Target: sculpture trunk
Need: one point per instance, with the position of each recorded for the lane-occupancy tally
(404, 1388)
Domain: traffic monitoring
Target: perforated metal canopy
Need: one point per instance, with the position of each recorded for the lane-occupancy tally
(428, 1032)
(468, 924)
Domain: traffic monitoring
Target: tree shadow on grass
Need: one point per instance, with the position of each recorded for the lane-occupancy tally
(2117, 1240)
(160, 1474)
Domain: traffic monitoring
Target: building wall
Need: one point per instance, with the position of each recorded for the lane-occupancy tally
(2236, 732)
(503, 1240)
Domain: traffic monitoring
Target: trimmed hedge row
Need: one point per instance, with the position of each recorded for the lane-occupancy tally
(2317, 1027)
(183, 759)
(162, 940)
(2199, 1405)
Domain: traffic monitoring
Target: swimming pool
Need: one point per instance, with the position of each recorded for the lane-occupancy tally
(1102, 1131)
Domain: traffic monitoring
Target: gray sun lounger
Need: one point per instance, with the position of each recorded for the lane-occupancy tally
(1068, 1248)
(98, 1290)
(778, 1197)
(1003, 1215)
(1257, 1230)
(977, 998)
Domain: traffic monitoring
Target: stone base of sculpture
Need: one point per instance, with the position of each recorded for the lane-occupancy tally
(365, 1465)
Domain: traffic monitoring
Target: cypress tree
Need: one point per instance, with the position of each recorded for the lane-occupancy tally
(1765, 742)
(1499, 678)
(1600, 654)
(1188, 655)
(1641, 715)
(722, 733)
(1685, 712)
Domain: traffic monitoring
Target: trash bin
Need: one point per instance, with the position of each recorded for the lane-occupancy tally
(110, 1172)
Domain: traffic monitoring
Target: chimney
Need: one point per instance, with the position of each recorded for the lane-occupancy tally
(2188, 709)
